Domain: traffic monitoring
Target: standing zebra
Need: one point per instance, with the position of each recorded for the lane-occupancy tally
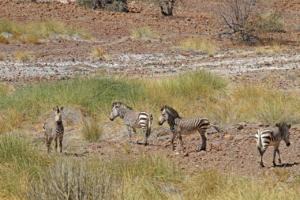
(132, 119)
(272, 137)
(54, 129)
(181, 126)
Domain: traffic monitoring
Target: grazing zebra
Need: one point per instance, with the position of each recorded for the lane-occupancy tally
(181, 126)
(54, 129)
(272, 137)
(132, 119)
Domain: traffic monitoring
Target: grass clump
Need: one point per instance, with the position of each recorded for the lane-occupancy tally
(33, 32)
(72, 179)
(144, 32)
(99, 53)
(10, 120)
(23, 56)
(4, 40)
(91, 130)
(1, 57)
(273, 49)
(196, 44)
(270, 22)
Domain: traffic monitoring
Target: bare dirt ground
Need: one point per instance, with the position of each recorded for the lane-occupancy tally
(60, 59)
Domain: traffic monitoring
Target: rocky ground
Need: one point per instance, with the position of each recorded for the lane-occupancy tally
(228, 150)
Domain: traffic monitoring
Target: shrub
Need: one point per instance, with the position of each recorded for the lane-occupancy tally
(71, 179)
(270, 22)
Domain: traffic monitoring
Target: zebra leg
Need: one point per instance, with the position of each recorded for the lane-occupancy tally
(279, 160)
(48, 143)
(60, 143)
(146, 136)
(203, 146)
(274, 156)
(55, 144)
(261, 152)
(181, 142)
(129, 132)
(172, 140)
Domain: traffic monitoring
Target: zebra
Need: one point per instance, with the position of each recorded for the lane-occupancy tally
(54, 129)
(132, 119)
(272, 137)
(181, 126)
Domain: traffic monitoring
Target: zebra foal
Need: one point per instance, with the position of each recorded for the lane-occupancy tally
(186, 126)
(132, 119)
(272, 137)
(54, 129)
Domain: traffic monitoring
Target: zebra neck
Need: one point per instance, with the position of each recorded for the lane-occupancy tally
(123, 112)
(59, 123)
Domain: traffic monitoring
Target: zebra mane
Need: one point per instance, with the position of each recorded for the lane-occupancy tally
(282, 125)
(173, 114)
(122, 104)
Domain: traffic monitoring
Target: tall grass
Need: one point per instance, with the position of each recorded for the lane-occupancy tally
(19, 162)
(149, 177)
(144, 32)
(91, 130)
(191, 93)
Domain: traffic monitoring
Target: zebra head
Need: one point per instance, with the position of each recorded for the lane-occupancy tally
(168, 114)
(57, 111)
(284, 129)
(118, 110)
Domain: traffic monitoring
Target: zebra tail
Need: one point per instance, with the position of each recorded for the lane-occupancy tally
(259, 141)
(149, 127)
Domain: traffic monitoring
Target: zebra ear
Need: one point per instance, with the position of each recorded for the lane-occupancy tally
(61, 108)
(277, 124)
(289, 126)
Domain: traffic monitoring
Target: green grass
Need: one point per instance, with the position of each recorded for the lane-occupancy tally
(33, 32)
(20, 161)
(193, 93)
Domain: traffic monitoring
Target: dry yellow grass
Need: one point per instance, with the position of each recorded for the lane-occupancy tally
(1, 57)
(23, 56)
(4, 40)
(98, 52)
(272, 49)
(197, 44)
(144, 32)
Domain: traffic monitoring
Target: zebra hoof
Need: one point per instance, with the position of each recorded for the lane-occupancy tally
(274, 164)
(261, 166)
(146, 144)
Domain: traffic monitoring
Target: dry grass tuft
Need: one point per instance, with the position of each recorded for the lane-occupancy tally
(273, 49)
(99, 53)
(144, 32)
(23, 56)
(4, 40)
(91, 130)
(2, 58)
(196, 44)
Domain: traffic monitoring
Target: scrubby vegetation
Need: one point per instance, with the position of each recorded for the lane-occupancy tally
(191, 93)
(27, 173)
(34, 32)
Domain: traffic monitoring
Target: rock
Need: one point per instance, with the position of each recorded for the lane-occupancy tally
(228, 137)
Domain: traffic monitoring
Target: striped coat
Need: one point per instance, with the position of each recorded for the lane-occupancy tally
(180, 126)
(272, 137)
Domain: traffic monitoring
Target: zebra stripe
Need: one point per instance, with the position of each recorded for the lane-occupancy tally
(264, 139)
